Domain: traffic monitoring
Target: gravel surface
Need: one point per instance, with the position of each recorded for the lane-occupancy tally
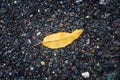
(94, 56)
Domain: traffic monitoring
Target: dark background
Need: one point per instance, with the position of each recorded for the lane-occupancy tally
(24, 23)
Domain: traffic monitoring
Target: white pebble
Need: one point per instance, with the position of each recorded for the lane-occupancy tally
(10, 73)
(38, 10)
(113, 36)
(31, 15)
(66, 61)
(58, 10)
(38, 33)
(88, 41)
(61, 2)
(29, 41)
(77, 1)
(53, 72)
(15, 2)
(45, 10)
(98, 64)
(102, 2)
(97, 47)
(98, 38)
(85, 74)
(4, 64)
(1, 21)
(46, 78)
(87, 16)
(54, 54)
(31, 68)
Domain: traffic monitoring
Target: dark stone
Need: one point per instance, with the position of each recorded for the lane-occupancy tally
(1, 73)
(112, 76)
(110, 65)
(3, 10)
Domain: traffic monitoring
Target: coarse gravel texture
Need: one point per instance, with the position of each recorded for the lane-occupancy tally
(24, 23)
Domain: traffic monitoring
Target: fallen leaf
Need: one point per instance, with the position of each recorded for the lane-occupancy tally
(61, 39)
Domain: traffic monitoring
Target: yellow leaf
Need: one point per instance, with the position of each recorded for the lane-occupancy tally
(61, 39)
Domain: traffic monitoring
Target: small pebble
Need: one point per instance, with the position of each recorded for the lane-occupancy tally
(61, 24)
(1, 73)
(73, 68)
(98, 39)
(53, 72)
(31, 15)
(38, 10)
(97, 47)
(15, 2)
(3, 10)
(102, 2)
(98, 64)
(87, 16)
(38, 33)
(29, 41)
(10, 73)
(66, 61)
(77, 1)
(31, 68)
(61, 2)
(53, 16)
(88, 41)
(42, 63)
(86, 74)
(55, 54)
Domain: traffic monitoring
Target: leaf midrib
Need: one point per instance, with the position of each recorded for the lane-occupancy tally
(60, 39)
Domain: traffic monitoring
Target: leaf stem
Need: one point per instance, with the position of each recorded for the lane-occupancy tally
(36, 44)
